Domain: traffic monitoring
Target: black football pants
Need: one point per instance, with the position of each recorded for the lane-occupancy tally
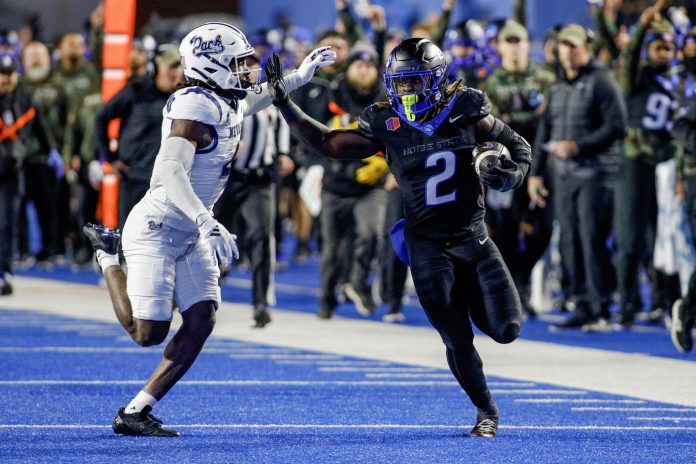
(459, 280)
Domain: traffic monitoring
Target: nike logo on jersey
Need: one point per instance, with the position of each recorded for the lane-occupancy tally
(481, 242)
(451, 119)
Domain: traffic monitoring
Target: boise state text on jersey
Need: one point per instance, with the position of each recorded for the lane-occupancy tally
(442, 194)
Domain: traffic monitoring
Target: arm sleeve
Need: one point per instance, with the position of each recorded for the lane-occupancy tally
(438, 36)
(171, 170)
(118, 107)
(612, 109)
(354, 31)
(520, 150)
(629, 63)
(340, 144)
(283, 137)
(253, 102)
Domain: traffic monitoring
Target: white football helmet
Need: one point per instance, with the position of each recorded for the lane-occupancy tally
(214, 53)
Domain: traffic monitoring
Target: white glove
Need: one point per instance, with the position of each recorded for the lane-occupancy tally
(222, 242)
(318, 58)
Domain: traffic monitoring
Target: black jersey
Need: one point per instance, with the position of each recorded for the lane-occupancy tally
(443, 197)
(651, 107)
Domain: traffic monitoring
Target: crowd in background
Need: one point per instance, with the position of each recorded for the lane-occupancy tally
(608, 173)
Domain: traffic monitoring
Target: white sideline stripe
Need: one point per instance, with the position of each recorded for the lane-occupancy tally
(285, 356)
(663, 418)
(126, 349)
(407, 375)
(379, 369)
(575, 400)
(285, 288)
(337, 363)
(582, 408)
(234, 382)
(361, 426)
(629, 375)
(298, 383)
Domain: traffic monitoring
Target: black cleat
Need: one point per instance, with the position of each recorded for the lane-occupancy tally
(682, 338)
(140, 423)
(486, 426)
(6, 284)
(103, 238)
(327, 308)
(362, 299)
(261, 317)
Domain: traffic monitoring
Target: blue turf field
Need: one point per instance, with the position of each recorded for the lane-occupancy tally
(63, 379)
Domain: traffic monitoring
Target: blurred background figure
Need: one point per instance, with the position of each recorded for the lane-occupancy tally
(139, 106)
(19, 127)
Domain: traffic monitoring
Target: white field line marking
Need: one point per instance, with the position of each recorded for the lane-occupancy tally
(296, 383)
(576, 400)
(663, 418)
(362, 426)
(408, 375)
(285, 356)
(337, 363)
(239, 383)
(582, 408)
(380, 369)
(399, 375)
(129, 349)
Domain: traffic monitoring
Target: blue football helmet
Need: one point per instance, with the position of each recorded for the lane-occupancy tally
(415, 77)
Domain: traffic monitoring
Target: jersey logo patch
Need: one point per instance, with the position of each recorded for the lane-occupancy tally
(393, 124)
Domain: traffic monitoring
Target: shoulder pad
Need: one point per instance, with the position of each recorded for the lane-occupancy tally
(473, 104)
(194, 104)
(369, 121)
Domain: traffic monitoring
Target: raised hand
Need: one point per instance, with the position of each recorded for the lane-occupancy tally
(276, 83)
(317, 58)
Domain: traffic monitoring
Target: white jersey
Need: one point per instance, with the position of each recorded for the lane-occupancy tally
(211, 164)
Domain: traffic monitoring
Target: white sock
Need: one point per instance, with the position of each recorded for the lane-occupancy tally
(141, 400)
(106, 260)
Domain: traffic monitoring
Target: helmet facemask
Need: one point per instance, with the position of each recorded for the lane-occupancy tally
(242, 77)
(413, 93)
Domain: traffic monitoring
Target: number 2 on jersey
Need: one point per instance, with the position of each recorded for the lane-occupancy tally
(431, 195)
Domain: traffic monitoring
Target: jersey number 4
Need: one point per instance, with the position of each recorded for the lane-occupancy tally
(448, 161)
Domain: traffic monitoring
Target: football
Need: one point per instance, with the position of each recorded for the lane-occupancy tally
(486, 155)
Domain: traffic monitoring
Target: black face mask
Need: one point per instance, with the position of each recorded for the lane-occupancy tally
(690, 64)
(659, 68)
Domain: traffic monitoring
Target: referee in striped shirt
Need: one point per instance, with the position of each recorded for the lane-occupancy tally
(248, 204)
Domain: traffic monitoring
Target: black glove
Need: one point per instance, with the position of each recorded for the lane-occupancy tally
(502, 176)
(276, 83)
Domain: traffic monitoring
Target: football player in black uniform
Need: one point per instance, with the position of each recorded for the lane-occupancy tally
(427, 132)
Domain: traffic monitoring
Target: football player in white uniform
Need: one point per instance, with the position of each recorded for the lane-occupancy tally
(171, 242)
